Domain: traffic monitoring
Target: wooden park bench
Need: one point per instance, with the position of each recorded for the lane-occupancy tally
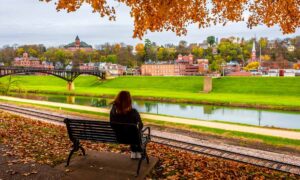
(106, 132)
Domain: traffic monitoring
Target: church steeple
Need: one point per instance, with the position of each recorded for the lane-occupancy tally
(253, 55)
(253, 47)
(77, 42)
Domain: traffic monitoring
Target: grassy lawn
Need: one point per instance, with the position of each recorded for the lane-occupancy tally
(264, 92)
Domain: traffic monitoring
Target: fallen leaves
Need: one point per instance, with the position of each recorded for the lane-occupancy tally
(34, 142)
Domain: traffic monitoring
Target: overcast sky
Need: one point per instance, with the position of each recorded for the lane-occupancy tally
(34, 22)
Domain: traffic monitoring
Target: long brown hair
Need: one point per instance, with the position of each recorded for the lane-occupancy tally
(123, 102)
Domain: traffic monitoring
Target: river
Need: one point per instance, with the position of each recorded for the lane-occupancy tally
(258, 117)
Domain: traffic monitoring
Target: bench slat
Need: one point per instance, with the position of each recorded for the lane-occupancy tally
(92, 128)
(94, 134)
(99, 139)
(89, 122)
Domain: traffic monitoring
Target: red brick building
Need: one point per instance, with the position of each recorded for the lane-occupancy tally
(26, 61)
(79, 45)
(182, 66)
(185, 59)
(163, 69)
(203, 65)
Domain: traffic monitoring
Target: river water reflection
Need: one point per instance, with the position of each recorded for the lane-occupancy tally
(282, 119)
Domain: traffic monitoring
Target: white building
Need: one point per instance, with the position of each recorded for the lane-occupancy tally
(112, 69)
(289, 73)
(273, 72)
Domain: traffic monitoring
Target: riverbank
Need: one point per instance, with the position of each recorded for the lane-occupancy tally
(254, 92)
(234, 115)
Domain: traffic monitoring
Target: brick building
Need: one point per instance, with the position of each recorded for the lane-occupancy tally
(203, 66)
(185, 59)
(182, 66)
(163, 69)
(26, 61)
(79, 45)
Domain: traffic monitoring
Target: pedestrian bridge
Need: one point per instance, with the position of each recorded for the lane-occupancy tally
(67, 75)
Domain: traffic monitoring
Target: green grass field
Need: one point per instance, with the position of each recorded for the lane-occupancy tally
(264, 92)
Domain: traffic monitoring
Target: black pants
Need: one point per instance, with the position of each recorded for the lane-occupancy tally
(135, 148)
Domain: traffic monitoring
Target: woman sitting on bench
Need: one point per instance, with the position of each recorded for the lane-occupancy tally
(122, 112)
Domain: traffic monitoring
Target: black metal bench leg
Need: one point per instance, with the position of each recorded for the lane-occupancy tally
(147, 158)
(70, 155)
(82, 149)
(139, 166)
(146, 155)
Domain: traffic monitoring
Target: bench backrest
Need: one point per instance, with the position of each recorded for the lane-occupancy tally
(102, 131)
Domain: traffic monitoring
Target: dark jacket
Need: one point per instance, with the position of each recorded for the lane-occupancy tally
(132, 116)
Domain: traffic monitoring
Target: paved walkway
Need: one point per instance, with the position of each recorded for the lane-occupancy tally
(106, 165)
(255, 130)
(95, 165)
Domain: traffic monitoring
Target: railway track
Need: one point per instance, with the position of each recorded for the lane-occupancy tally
(284, 165)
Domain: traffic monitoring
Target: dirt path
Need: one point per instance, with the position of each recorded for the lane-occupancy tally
(231, 127)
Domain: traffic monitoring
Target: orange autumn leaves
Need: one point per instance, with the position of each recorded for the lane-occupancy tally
(31, 141)
(175, 15)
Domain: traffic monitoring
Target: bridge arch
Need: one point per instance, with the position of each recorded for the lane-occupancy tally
(67, 75)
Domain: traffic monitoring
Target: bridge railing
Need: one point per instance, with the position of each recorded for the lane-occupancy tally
(48, 69)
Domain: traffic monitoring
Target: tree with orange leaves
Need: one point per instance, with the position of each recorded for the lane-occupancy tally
(175, 15)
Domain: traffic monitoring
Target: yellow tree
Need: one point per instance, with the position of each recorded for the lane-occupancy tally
(198, 52)
(140, 49)
(20, 51)
(252, 66)
(140, 52)
(117, 48)
(175, 15)
(265, 57)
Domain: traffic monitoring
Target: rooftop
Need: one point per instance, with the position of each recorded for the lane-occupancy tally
(82, 44)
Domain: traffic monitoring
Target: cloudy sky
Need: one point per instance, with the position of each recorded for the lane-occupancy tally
(34, 22)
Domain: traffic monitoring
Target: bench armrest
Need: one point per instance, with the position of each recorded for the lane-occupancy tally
(148, 134)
